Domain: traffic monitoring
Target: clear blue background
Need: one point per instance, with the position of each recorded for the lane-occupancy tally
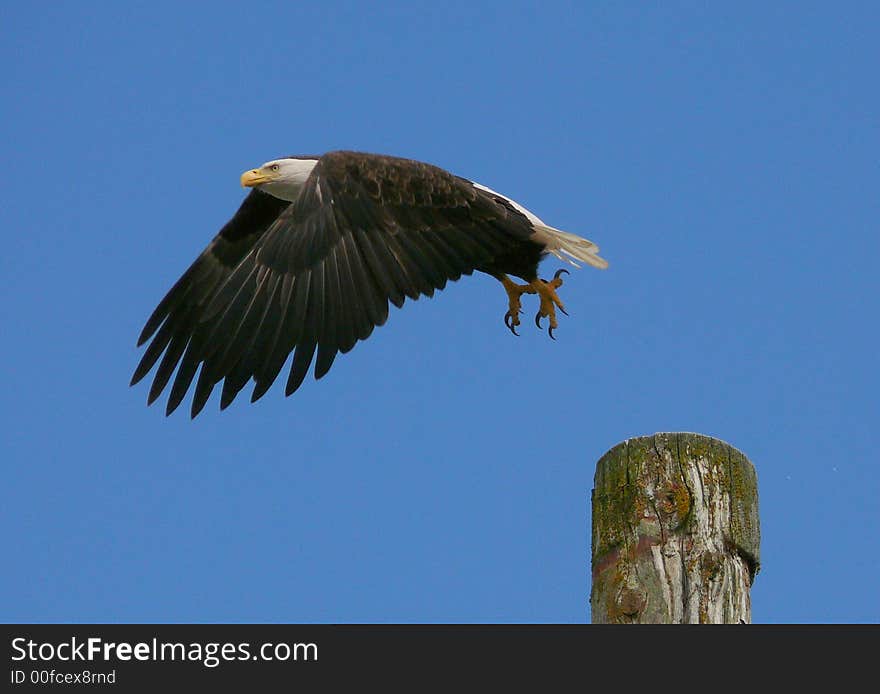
(726, 157)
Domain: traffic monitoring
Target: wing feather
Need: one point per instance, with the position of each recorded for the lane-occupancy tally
(328, 334)
(287, 334)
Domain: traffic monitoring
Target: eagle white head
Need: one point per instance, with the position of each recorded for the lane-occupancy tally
(281, 178)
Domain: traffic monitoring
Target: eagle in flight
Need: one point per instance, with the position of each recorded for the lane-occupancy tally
(314, 254)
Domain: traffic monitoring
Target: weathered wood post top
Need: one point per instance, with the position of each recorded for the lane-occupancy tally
(676, 536)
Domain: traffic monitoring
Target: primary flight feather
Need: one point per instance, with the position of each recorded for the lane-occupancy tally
(314, 254)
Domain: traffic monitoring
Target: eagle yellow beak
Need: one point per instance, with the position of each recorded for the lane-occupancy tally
(254, 177)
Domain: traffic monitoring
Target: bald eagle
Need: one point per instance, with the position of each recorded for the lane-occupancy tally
(314, 254)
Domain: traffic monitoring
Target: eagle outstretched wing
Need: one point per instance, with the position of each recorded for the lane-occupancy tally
(316, 275)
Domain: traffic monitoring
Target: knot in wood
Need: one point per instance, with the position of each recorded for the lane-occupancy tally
(631, 601)
(673, 503)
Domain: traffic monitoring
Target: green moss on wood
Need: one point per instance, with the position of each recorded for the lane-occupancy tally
(625, 471)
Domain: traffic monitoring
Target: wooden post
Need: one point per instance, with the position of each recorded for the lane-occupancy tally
(676, 535)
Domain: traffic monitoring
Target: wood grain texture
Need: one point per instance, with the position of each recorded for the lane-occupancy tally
(675, 533)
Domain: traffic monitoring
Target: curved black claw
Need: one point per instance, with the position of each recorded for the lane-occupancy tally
(538, 318)
(559, 272)
(563, 310)
(508, 321)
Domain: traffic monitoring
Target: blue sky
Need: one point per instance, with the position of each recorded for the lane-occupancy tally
(726, 158)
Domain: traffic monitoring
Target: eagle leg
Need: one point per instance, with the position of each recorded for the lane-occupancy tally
(514, 292)
(550, 300)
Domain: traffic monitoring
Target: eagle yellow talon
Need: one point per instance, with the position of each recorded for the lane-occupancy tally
(550, 301)
(514, 305)
(545, 289)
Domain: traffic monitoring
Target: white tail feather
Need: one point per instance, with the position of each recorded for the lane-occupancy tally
(556, 241)
(569, 247)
